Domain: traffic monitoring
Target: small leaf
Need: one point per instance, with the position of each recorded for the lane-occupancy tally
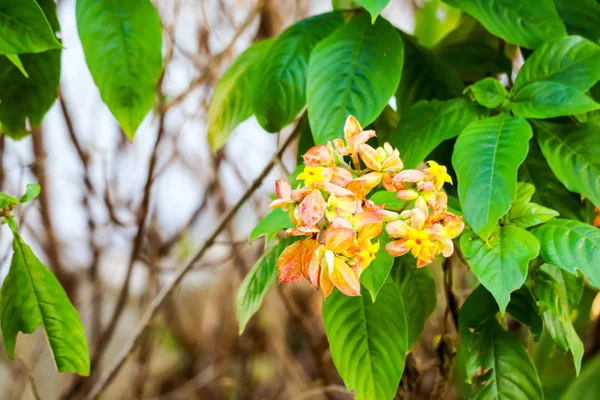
(571, 245)
(24, 28)
(257, 282)
(548, 99)
(280, 92)
(525, 214)
(6, 200)
(501, 263)
(354, 71)
(32, 296)
(427, 124)
(273, 223)
(572, 153)
(524, 23)
(374, 7)
(377, 273)
(524, 309)
(433, 21)
(389, 199)
(14, 58)
(32, 191)
(122, 42)
(486, 158)
(573, 284)
(489, 93)
(231, 103)
(525, 192)
(368, 341)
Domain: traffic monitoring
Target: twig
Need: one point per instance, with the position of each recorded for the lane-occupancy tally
(159, 300)
(30, 379)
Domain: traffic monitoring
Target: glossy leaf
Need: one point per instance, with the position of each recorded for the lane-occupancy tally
(389, 199)
(434, 20)
(525, 214)
(572, 284)
(280, 81)
(374, 7)
(31, 296)
(548, 99)
(489, 93)
(571, 61)
(270, 225)
(355, 70)
(377, 273)
(24, 28)
(231, 103)
(32, 191)
(115, 36)
(368, 341)
(14, 58)
(526, 23)
(571, 245)
(581, 17)
(257, 282)
(427, 124)
(486, 158)
(572, 153)
(25, 99)
(500, 264)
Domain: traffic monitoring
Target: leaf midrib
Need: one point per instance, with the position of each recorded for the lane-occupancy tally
(493, 169)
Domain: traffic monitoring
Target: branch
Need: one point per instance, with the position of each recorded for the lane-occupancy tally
(166, 291)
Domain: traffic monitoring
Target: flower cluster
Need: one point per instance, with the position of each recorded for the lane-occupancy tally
(339, 225)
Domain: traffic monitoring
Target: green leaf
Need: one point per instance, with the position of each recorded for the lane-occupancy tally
(526, 23)
(425, 76)
(273, 223)
(500, 264)
(572, 153)
(257, 282)
(427, 124)
(587, 386)
(509, 372)
(231, 103)
(280, 82)
(377, 273)
(32, 296)
(572, 284)
(571, 245)
(368, 341)
(571, 61)
(356, 70)
(433, 21)
(548, 99)
(122, 42)
(524, 309)
(24, 28)
(581, 17)
(32, 191)
(389, 199)
(374, 7)
(475, 60)
(489, 93)
(6, 200)
(525, 192)
(525, 214)
(549, 191)
(25, 99)
(14, 58)
(486, 158)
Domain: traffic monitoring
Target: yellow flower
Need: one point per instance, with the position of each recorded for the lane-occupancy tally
(311, 175)
(417, 241)
(439, 174)
(367, 253)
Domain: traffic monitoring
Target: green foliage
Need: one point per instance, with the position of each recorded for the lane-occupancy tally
(113, 55)
(271, 225)
(486, 158)
(489, 93)
(374, 7)
(525, 214)
(354, 71)
(282, 76)
(375, 276)
(588, 384)
(581, 17)
(230, 103)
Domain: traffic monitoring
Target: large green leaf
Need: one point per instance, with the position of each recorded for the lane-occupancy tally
(526, 23)
(427, 124)
(32, 296)
(571, 61)
(356, 70)
(270, 225)
(572, 151)
(368, 341)
(425, 77)
(122, 43)
(489, 93)
(232, 101)
(571, 245)
(25, 99)
(280, 82)
(572, 284)
(24, 28)
(433, 21)
(486, 158)
(377, 273)
(581, 17)
(500, 264)
(549, 191)
(587, 386)
(257, 282)
(547, 99)
(374, 7)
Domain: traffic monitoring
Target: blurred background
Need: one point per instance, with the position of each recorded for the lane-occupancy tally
(115, 219)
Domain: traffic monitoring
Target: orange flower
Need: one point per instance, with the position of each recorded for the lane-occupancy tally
(355, 137)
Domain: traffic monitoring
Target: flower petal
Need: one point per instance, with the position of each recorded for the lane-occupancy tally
(289, 264)
(351, 130)
(339, 240)
(397, 248)
(397, 229)
(370, 157)
(312, 208)
(337, 190)
(316, 155)
(409, 175)
(344, 278)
